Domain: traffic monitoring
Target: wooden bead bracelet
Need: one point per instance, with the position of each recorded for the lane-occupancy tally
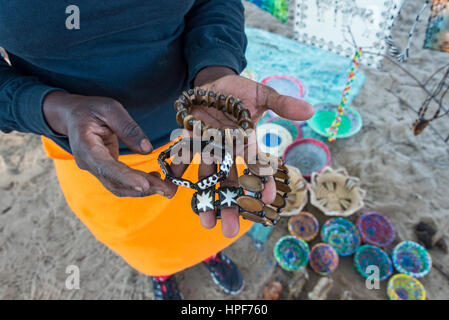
(226, 103)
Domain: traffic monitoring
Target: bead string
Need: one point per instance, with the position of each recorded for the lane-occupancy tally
(333, 129)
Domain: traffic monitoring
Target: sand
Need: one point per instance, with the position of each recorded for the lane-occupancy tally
(406, 178)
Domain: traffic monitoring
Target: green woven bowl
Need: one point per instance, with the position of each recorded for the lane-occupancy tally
(351, 121)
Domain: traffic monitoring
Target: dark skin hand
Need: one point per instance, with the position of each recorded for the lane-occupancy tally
(94, 125)
(257, 98)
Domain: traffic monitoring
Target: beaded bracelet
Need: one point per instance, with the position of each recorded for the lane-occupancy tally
(211, 99)
(205, 183)
(247, 196)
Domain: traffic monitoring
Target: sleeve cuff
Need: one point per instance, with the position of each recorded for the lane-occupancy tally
(221, 57)
(28, 109)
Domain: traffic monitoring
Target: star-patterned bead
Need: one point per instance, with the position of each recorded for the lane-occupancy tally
(203, 201)
(228, 196)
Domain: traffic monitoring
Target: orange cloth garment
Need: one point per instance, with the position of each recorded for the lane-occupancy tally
(155, 235)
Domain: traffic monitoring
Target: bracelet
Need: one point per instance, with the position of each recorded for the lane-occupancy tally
(247, 197)
(205, 183)
(225, 103)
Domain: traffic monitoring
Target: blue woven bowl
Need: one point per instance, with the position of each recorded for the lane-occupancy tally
(291, 253)
(341, 234)
(411, 259)
(368, 257)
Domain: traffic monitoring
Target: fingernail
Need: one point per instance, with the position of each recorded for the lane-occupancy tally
(138, 189)
(145, 145)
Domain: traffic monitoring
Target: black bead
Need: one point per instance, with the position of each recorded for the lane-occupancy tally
(244, 125)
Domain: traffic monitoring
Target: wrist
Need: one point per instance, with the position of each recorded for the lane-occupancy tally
(210, 74)
(53, 107)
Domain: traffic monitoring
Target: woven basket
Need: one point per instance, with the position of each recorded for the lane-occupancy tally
(336, 193)
(297, 199)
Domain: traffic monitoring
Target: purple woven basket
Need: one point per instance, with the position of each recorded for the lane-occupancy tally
(376, 229)
(323, 259)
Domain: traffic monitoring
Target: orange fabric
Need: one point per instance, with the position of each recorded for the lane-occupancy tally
(155, 235)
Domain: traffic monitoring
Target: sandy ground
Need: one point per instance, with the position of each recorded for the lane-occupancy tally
(406, 178)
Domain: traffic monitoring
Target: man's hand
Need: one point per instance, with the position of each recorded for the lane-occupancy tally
(257, 98)
(93, 126)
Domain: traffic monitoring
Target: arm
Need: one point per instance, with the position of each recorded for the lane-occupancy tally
(92, 125)
(21, 100)
(215, 36)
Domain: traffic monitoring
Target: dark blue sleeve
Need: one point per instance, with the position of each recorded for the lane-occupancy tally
(215, 36)
(21, 100)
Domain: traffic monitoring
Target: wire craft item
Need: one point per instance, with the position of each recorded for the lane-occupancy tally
(304, 225)
(323, 259)
(334, 25)
(333, 129)
(376, 229)
(369, 257)
(403, 55)
(441, 89)
(336, 193)
(341, 234)
(291, 253)
(405, 287)
(411, 259)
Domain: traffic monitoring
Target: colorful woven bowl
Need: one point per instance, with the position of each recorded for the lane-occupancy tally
(286, 85)
(304, 226)
(376, 229)
(273, 138)
(341, 234)
(291, 253)
(293, 127)
(368, 256)
(404, 287)
(351, 121)
(411, 259)
(323, 259)
(308, 155)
